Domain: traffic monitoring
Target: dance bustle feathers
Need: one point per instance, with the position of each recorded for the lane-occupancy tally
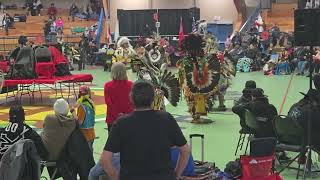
(170, 87)
(202, 71)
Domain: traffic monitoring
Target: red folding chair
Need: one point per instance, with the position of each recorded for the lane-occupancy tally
(254, 168)
(4, 66)
(45, 70)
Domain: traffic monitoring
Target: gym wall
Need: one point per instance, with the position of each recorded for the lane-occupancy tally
(58, 3)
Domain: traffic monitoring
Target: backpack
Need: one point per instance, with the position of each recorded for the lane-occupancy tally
(87, 115)
(20, 162)
(10, 135)
(233, 169)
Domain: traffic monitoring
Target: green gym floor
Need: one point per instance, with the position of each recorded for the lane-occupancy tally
(221, 136)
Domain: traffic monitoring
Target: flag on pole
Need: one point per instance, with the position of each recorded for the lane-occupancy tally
(194, 25)
(109, 36)
(100, 27)
(116, 31)
(181, 31)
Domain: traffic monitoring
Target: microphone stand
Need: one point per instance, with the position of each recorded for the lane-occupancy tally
(309, 147)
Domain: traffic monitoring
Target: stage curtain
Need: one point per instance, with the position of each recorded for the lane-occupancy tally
(132, 22)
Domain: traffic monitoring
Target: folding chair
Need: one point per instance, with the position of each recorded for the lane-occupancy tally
(259, 165)
(244, 133)
(290, 138)
(251, 122)
(49, 164)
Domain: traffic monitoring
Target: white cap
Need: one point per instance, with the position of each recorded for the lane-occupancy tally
(61, 107)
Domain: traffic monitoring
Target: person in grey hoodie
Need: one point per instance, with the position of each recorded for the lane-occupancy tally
(57, 128)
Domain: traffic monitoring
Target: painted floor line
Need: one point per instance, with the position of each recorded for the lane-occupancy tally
(286, 94)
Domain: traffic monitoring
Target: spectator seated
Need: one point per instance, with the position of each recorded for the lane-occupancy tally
(17, 130)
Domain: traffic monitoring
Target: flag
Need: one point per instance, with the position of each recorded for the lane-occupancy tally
(109, 36)
(116, 31)
(181, 31)
(100, 27)
(156, 17)
(194, 25)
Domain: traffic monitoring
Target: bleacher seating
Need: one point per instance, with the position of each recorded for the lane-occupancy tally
(33, 27)
(282, 15)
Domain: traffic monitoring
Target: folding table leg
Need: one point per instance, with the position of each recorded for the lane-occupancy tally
(69, 91)
(40, 92)
(55, 89)
(61, 90)
(7, 94)
(33, 91)
(74, 90)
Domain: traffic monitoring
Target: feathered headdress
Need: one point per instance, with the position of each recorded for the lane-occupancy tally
(122, 41)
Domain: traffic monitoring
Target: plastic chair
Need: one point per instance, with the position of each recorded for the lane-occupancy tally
(290, 138)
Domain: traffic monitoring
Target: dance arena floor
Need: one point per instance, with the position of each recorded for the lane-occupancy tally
(220, 137)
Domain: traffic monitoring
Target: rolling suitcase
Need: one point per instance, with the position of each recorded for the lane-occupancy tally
(204, 170)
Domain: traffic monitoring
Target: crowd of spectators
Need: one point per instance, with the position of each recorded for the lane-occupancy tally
(272, 51)
(68, 134)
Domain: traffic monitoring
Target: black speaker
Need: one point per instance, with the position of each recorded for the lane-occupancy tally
(194, 13)
(307, 27)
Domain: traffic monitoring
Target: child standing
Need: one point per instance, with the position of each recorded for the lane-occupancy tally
(86, 114)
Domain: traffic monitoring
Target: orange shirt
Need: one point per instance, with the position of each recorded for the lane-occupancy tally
(89, 134)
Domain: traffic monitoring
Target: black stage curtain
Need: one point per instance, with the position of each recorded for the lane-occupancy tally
(132, 22)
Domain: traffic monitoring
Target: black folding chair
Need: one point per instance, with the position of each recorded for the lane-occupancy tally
(50, 164)
(251, 122)
(243, 135)
(261, 147)
(290, 138)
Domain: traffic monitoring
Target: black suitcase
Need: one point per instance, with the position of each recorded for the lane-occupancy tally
(204, 170)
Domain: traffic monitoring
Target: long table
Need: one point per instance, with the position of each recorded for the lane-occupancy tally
(30, 86)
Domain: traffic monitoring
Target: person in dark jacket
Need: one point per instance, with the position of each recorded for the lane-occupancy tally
(74, 10)
(57, 128)
(239, 106)
(76, 159)
(264, 112)
(239, 109)
(17, 130)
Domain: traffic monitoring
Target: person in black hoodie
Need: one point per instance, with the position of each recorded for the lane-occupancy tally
(17, 130)
(264, 112)
(243, 101)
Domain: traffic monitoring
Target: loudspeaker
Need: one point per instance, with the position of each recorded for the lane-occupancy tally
(307, 27)
(194, 13)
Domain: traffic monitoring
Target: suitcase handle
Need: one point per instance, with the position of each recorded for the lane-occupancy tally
(196, 135)
(202, 144)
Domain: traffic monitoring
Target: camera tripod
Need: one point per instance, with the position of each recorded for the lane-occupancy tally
(309, 147)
